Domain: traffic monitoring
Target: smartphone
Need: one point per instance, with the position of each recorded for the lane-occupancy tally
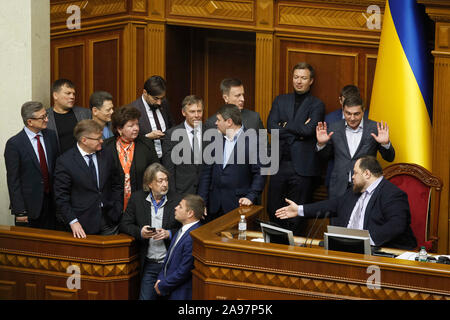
(151, 229)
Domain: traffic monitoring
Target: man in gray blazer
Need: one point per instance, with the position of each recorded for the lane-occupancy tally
(233, 93)
(64, 115)
(349, 139)
(184, 176)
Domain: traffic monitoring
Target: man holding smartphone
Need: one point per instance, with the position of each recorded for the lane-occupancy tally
(150, 218)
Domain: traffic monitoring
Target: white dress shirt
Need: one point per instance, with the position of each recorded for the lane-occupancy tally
(229, 146)
(158, 145)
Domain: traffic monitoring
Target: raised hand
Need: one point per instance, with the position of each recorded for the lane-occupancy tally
(322, 135)
(383, 133)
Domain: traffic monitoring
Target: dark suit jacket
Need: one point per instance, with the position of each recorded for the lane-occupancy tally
(144, 122)
(183, 177)
(250, 120)
(298, 135)
(223, 187)
(387, 215)
(337, 148)
(144, 155)
(175, 276)
(329, 119)
(80, 113)
(138, 214)
(77, 195)
(23, 172)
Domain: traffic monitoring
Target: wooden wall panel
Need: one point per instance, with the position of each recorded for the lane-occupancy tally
(69, 63)
(335, 67)
(229, 58)
(105, 76)
(179, 75)
(140, 62)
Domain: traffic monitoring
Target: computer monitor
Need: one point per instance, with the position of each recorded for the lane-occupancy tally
(272, 234)
(348, 240)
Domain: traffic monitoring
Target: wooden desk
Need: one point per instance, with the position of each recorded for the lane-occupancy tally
(34, 265)
(239, 269)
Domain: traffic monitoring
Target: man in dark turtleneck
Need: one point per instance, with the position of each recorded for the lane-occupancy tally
(295, 115)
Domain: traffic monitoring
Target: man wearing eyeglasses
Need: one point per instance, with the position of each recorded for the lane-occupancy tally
(156, 117)
(88, 190)
(30, 159)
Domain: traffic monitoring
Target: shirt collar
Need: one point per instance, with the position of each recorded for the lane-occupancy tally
(187, 226)
(152, 200)
(374, 185)
(236, 135)
(189, 128)
(31, 134)
(83, 153)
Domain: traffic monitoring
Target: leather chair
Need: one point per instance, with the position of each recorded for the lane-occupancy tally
(424, 191)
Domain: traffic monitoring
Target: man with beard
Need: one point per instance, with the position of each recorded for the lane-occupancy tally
(373, 204)
(295, 115)
(156, 117)
(149, 218)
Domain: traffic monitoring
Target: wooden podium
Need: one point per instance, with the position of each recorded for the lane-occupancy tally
(227, 268)
(43, 264)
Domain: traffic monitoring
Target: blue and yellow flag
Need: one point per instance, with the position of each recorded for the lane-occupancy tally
(402, 90)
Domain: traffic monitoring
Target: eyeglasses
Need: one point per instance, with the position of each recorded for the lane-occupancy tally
(97, 139)
(45, 116)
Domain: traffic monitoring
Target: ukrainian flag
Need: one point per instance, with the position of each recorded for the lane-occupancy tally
(402, 90)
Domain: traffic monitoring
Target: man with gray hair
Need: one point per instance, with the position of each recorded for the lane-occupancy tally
(88, 190)
(185, 168)
(30, 159)
(149, 218)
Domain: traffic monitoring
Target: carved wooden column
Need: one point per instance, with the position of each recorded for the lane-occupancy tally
(264, 66)
(156, 39)
(440, 13)
(264, 58)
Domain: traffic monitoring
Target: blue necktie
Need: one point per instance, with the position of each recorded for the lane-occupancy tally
(92, 169)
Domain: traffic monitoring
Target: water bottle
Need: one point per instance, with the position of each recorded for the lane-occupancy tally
(242, 228)
(423, 254)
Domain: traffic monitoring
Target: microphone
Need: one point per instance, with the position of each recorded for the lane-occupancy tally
(320, 227)
(312, 227)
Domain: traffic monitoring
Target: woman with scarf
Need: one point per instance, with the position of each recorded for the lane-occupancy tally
(132, 153)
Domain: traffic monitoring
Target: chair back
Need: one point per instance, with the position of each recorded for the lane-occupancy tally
(423, 190)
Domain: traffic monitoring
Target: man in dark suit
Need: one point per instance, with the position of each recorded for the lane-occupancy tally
(337, 115)
(175, 279)
(348, 140)
(88, 192)
(295, 115)
(235, 180)
(233, 93)
(30, 159)
(184, 166)
(156, 117)
(64, 115)
(149, 218)
(373, 204)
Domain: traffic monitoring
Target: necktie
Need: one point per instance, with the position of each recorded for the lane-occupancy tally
(155, 116)
(92, 169)
(358, 212)
(196, 147)
(43, 165)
